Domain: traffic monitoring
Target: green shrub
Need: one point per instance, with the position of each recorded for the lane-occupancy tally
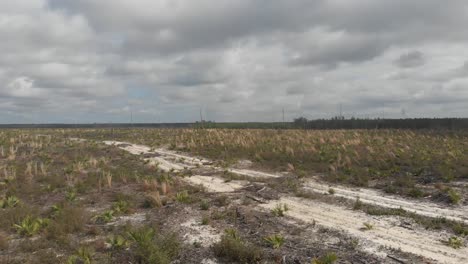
(84, 255)
(30, 226)
(275, 241)
(329, 258)
(368, 226)
(105, 217)
(118, 242)
(204, 205)
(150, 247)
(121, 207)
(70, 195)
(233, 249)
(454, 196)
(454, 242)
(9, 202)
(183, 197)
(279, 210)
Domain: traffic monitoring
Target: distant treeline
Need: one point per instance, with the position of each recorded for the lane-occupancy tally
(408, 123)
(353, 123)
(298, 123)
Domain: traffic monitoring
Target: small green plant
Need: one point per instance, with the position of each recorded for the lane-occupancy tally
(142, 235)
(331, 191)
(357, 204)
(121, 207)
(232, 233)
(70, 195)
(56, 209)
(183, 197)
(30, 226)
(9, 202)
(150, 247)
(205, 220)
(454, 196)
(454, 242)
(367, 226)
(204, 205)
(329, 258)
(83, 255)
(105, 217)
(279, 210)
(275, 241)
(117, 242)
(234, 249)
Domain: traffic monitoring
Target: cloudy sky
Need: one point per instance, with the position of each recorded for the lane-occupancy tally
(236, 60)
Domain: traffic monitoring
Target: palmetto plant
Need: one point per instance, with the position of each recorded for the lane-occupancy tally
(142, 236)
(117, 242)
(329, 258)
(9, 202)
(70, 195)
(121, 207)
(83, 255)
(30, 226)
(279, 210)
(275, 241)
(105, 217)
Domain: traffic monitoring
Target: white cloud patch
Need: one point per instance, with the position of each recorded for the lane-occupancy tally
(99, 61)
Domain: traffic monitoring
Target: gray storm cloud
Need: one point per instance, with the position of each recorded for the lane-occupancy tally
(90, 61)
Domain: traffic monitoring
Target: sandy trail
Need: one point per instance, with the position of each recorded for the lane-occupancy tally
(215, 184)
(387, 231)
(375, 197)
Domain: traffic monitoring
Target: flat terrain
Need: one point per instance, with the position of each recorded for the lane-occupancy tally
(224, 196)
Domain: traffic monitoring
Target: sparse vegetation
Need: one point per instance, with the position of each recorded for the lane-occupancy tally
(279, 210)
(233, 248)
(30, 226)
(63, 192)
(275, 241)
(183, 197)
(455, 242)
(151, 247)
(329, 258)
(368, 226)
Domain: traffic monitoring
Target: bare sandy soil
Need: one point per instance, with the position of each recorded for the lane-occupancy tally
(387, 232)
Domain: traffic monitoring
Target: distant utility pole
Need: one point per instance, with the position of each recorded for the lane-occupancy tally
(201, 118)
(131, 118)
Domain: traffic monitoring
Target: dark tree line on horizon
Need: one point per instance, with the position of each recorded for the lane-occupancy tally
(338, 122)
(357, 123)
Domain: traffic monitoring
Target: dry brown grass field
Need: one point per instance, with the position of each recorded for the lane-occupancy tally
(233, 196)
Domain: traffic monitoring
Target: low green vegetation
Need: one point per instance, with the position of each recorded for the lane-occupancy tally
(329, 258)
(280, 210)
(454, 242)
(233, 248)
(275, 241)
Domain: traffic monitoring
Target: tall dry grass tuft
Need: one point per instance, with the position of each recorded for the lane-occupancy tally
(108, 178)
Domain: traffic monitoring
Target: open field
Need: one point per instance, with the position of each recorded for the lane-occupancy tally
(224, 196)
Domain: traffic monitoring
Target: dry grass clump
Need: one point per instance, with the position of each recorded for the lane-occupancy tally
(69, 219)
(234, 249)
